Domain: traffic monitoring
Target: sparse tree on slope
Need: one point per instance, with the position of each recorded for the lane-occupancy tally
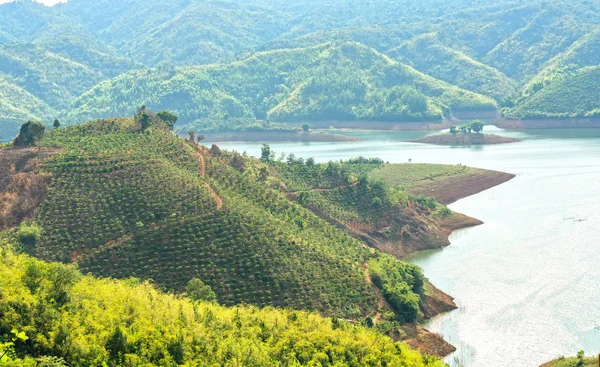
(31, 132)
(198, 291)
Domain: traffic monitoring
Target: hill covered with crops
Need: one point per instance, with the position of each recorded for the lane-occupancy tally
(123, 201)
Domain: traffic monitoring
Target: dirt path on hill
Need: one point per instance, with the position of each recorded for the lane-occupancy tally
(202, 164)
(202, 171)
(216, 196)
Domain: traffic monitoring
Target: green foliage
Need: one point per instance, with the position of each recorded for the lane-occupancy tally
(401, 285)
(29, 234)
(477, 126)
(342, 82)
(170, 119)
(467, 127)
(198, 291)
(567, 93)
(108, 322)
(31, 133)
(238, 124)
(261, 60)
(579, 361)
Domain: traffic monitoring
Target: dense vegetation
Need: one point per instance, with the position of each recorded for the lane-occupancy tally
(503, 50)
(566, 93)
(127, 198)
(54, 316)
(326, 82)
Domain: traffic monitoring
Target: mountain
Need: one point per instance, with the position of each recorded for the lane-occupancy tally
(63, 318)
(497, 50)
(18, 105)
(426, 54)
(332, 81)
(566, 94)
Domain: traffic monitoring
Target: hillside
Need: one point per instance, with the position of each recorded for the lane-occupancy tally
(429, 56)
(74, 51)
(123, 203)
(92, 322)
(326, 82)
(17, 106)
(568, 93)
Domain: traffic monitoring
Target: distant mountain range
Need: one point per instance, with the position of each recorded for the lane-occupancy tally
(292, 60)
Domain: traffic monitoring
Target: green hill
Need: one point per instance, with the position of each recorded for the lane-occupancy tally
(550, 32)
(78, 57)
(51, 77)
(326, 82)
(64, 318)
(124, 203)
(429, 56)
(17, 106)
(567, 93)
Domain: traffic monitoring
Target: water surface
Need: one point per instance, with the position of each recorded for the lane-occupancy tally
(527, 281)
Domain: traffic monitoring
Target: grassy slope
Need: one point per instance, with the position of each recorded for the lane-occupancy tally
(550, 32)
(80, 315)
(348, 81)
(123, 203)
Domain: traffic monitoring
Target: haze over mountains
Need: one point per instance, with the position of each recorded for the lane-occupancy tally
(309, 60)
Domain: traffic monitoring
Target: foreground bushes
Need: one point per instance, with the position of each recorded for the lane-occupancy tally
(102, 322)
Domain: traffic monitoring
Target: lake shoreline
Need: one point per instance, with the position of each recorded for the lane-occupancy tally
(349, 126)
(277, 136)
(438, 302)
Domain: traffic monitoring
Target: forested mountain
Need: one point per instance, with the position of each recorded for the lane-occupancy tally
(347, 82)
(501, 50)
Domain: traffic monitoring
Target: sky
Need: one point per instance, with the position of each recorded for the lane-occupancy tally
(45, 2)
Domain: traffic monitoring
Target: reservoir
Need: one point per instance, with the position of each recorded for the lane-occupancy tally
(527, 282)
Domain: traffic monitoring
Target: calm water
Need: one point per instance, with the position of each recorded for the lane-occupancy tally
(527, 281)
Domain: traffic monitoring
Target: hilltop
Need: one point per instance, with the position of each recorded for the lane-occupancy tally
(121, 201)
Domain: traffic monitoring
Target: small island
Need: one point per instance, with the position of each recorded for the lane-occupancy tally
(466, 134)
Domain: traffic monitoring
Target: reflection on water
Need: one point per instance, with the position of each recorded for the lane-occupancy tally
(527, 280)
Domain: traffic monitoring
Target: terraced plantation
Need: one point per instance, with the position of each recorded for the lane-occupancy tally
(122, 201)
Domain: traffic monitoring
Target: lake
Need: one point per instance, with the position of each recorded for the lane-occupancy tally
(527, 281)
